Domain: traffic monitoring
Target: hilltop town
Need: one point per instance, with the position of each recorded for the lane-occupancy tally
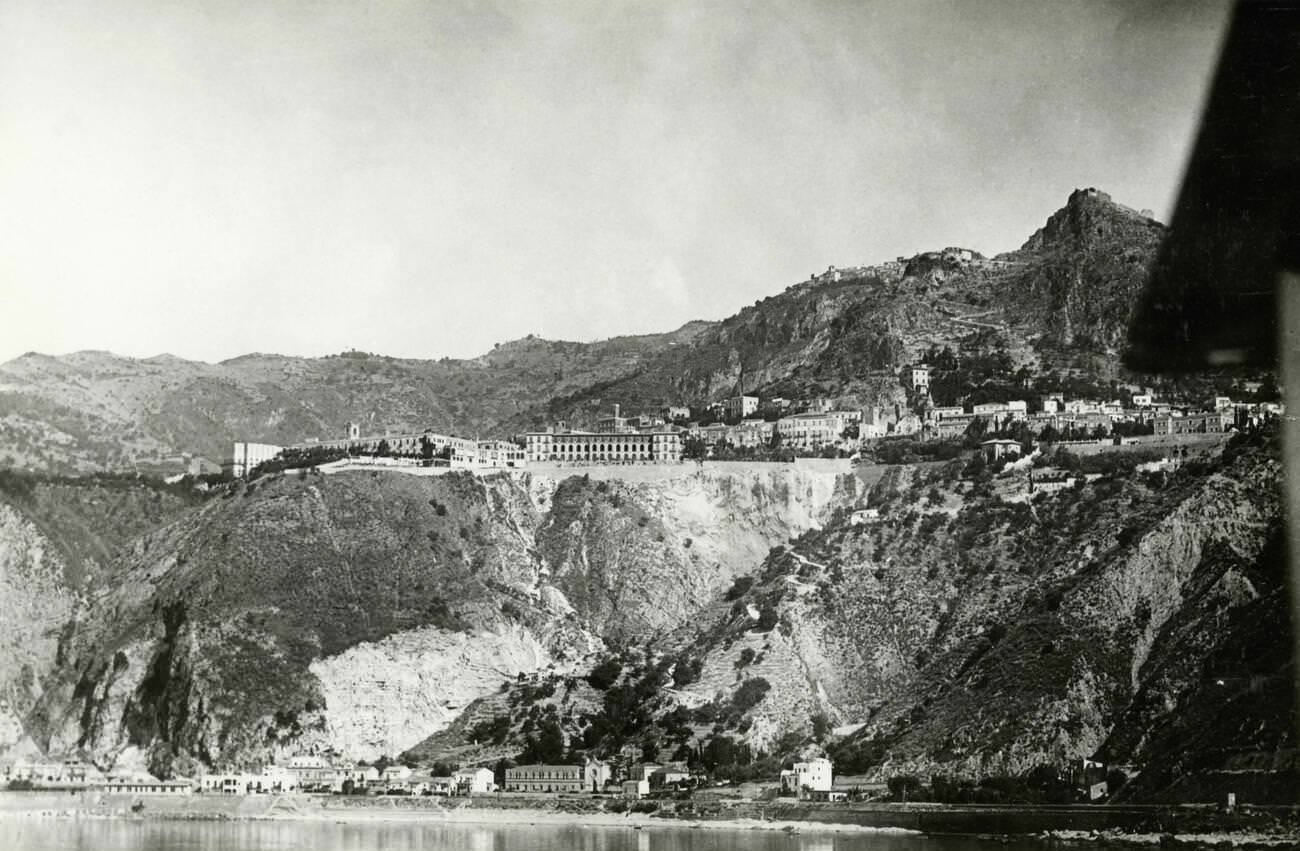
(749, 427)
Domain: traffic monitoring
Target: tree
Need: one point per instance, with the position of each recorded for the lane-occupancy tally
(903, 785)
(686, 671)
(605, 674)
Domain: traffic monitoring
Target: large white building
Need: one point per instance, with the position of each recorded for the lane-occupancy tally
(246, 456)
(811, 431)
(661, 445)
(739, 407)
(814, 775)
(473, 781)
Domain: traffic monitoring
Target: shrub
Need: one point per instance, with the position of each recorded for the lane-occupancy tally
(750, 693)
(686, 671)
(739, 588)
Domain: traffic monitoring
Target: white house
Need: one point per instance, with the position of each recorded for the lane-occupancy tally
(473, 781)
(806, 777)
(739, 407)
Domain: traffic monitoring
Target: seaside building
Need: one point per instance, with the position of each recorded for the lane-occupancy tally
(805, 778)
(544, 778)
(140, 783)
(595, 774)
(473, 781)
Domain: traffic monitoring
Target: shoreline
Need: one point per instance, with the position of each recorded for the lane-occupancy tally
(287, 808)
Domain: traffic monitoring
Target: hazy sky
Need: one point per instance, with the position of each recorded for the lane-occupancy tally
(427, 178)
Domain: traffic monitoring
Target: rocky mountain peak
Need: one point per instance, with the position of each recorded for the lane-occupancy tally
(1089, 216)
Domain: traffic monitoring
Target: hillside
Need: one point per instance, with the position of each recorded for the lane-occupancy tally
(974, 633)
(738, 613)
(92, 411)
(361, 612)
(1061, 302)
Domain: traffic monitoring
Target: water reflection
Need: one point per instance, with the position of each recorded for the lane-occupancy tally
(88, 835)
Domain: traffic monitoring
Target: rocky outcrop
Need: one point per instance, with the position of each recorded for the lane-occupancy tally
(385, 697)
(970, 636)
(359, 613)
(37, 605)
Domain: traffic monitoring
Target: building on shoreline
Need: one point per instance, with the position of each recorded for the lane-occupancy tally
(544, 778)
(473, 781)
(804, 779)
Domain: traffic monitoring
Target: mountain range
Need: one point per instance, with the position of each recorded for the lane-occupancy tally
(937, 619)
(1061, 302)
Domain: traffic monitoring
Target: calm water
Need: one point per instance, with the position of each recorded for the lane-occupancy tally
(59, 835)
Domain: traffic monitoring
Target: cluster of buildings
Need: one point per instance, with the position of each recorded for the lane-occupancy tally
(1084, 416)
(319, 775)
(299, 774)
(748, 421)
(75, 774)
(427, 448)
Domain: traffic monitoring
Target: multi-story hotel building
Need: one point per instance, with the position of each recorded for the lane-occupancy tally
(545, 778)
(614, 442)
(812, 431)
(584, 447)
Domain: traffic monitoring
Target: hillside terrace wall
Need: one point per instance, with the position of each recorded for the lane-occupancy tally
(1145, 442)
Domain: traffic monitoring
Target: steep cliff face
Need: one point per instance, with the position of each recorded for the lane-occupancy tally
(57, 538)
(361, 612)
(636, 557)
(973, 631)
(37, 604)
(1094, 256)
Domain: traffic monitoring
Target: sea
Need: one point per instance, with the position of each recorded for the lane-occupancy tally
(161, 835)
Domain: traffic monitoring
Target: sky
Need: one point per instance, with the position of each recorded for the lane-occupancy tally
(425, 179)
